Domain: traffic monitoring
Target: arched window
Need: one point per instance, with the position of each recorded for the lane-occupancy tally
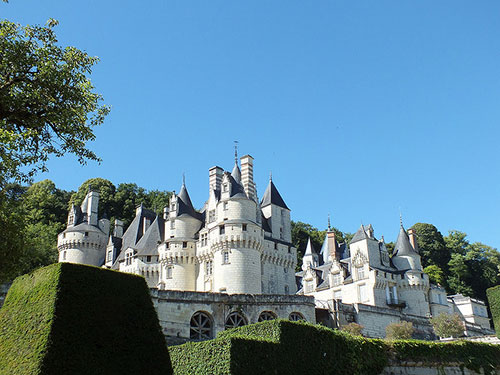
(235, 319)
(295, 316)
(201, 326)
(266, 315)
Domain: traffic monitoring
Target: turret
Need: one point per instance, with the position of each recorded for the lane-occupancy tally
(85, 238)
(405, 256)
(177, 253)
(310, 259)
(277, 213)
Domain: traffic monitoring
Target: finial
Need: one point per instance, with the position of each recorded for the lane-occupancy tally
(271, 176)
(183, 178)
(329, 226)
(400, 219)
(236, 152)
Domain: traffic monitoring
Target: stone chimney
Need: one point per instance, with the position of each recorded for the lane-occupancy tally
(118, 230)
(332, 244)
(93, 203)
(215, 177)
(146, 224)
(412, 236)
(247, 176)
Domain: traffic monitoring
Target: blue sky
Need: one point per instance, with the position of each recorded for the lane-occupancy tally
(359, 109)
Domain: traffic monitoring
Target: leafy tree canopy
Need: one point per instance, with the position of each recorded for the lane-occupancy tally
(47, 104)
(432, 246)
(448, 325)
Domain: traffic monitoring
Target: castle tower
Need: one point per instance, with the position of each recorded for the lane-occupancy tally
(235, 236)
(277, 213)
(177, 253)
(85, 238)
(310, 258)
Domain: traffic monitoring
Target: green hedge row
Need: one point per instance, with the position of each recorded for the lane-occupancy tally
(75, 319)
(493, 295)
(284, 347)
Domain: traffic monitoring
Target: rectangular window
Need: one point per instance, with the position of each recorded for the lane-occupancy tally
(110, 256)
(289, 249)
(172, 224)
(285, 270)
(148, 258)
(64, 255)
(204, 239)
(225, 257)
(184, 244)
(363, 293)
(128, 259)
(275, 246)
(169, 272)
(225, 206)
(211, 216)
(224, 187)
(167, 245)
(281, 233)
(208, 267)
(360, 272)
(222, 229)
(282, 216)
(86, 234)
(337, 279)
(244, 227)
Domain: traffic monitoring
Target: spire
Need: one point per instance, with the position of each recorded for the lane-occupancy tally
(329, 226)
(403, 245)
(272, 196)
(183, 179)
(184, 196)
(236, 173)
(325, 250)
(236, 152)
(309, 247)
(359, 235)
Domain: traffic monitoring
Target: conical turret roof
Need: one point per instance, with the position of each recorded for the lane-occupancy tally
(309, 247)
(236, 173)
(272, 196)
(325, 250)
(403, 245)
(185, 206)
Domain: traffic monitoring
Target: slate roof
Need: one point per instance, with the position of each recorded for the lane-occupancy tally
(403, 246)
(148, 244)
(184, 204)
(83, 227)
(236, 173)
(272, 196)
(236, 189)
(360, 235)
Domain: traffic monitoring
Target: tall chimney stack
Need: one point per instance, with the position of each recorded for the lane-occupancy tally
(412, 236)
(93, 203)
(215, 177)
(247, 176)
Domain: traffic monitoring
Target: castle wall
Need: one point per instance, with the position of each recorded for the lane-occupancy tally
(175, 308)
(82, 247)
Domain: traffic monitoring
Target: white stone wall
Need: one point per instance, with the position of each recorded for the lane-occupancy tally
(77, 247)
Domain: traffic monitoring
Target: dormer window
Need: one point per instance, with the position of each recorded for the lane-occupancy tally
(172, 207)
(360, 273)
(211, 216)
(225, 187)
(225, 206)
(128, 259)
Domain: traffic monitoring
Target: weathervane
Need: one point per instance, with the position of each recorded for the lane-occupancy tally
(236, 151)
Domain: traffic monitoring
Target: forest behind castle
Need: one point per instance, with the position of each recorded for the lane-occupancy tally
(38, 212)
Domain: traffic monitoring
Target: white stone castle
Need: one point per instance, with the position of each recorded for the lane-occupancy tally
(232, 263)
(359, 282)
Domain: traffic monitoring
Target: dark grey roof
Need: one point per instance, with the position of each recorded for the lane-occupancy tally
(236, 189)
(148, 244)
(266, 225)
(135, 230)
(83, 227)
(236, 173)
(272, 196)
(185, 207)
(360, 235)
(403, 246)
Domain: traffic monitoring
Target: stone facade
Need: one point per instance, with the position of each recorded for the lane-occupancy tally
(234, 253)
(360, 282)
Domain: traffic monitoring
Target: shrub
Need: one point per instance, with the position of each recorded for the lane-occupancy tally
(494, 301)
(354, 329)
(74, 319)
(399, 331)
(448, 325)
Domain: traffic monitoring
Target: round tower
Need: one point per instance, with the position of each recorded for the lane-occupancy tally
(178, 252)
(236, 239)
(85, 238)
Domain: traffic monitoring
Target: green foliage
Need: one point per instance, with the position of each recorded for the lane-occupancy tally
(432, 246)
(436, 274)
(106, 191)
(494, 301)
(448, 325)
(399, 331)
(281, 347)
(51, 324)
(354, 329)
(47, 104)
(472, 355)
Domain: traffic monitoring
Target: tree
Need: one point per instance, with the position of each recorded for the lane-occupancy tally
(447, 325)
(399, 331)
(106, 189)
(47, 104)
(432, 246)
(436, 274)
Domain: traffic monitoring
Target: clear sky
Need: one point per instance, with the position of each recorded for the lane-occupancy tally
(359, 108)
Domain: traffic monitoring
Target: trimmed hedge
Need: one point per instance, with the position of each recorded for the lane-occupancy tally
(284, 347)
(493, 295)
(75, 319)
(281, 347)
